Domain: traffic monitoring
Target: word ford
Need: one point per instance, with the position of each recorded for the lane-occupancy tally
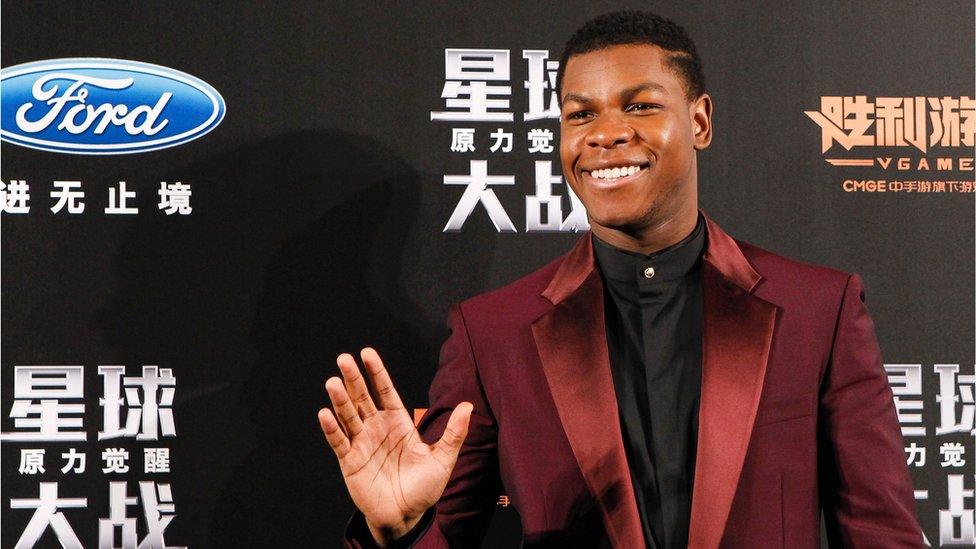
(104, 114)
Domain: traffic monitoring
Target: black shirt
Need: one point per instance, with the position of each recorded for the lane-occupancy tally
(653, 306)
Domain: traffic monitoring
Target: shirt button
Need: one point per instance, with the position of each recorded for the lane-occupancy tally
(649, 272)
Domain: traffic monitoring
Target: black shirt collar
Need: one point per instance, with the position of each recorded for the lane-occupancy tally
(668, 264)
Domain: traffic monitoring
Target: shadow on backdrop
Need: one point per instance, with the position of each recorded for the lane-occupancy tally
(291, 256)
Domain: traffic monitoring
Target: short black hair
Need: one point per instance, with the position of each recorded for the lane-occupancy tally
(638, 27)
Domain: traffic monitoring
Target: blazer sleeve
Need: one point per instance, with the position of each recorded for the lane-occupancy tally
(461, 517)
(865, 487)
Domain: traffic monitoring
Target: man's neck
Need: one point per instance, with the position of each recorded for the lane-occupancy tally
(651, 238)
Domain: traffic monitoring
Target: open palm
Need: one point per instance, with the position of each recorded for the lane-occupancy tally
(392, 475)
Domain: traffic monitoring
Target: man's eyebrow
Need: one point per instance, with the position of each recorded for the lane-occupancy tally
(577, 98)
(644, 86)
(629, 92)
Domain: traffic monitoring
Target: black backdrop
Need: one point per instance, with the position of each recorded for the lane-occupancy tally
(319, 206)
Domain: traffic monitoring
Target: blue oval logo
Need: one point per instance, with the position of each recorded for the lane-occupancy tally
(104, 106)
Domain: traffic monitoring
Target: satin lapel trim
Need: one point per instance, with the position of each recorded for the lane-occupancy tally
(572, 345)
(724, 254)
(737, 333)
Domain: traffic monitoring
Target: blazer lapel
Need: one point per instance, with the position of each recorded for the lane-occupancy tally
(736, 338)
(736, 335)
(572, 345)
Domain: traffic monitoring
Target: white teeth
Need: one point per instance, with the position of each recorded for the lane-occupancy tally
(614, 173)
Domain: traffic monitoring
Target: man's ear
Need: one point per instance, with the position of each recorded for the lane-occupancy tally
(701, 121)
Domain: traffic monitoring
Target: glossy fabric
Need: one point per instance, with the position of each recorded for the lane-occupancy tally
(796, 412)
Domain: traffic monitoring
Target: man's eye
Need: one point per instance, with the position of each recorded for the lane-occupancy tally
(639, 107)
(578, 115)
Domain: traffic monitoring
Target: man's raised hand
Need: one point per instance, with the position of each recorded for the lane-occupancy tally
(392, 476)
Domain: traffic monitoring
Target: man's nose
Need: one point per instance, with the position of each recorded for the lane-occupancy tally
(609, 131)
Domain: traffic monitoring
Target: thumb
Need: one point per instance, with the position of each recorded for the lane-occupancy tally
(457, 429)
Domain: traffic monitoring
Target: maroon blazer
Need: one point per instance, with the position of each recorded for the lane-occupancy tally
(796, 412)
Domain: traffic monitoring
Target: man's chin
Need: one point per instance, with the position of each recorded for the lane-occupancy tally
(617, 222)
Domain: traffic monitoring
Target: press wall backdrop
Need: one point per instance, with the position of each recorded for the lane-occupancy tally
(205, 202)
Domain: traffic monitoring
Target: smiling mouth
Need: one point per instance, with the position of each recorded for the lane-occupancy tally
(617, 174)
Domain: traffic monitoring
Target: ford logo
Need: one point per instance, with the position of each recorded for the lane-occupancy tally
(104, 106)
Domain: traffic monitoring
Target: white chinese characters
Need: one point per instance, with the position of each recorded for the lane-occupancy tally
(148, 403)
(478, 89)
(954, 421)
(37, 411)
(68, 197)
(40, 415)
(466, 91)
(158, 511)
(49, 407)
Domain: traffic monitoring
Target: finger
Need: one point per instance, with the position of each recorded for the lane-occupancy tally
(347, 415)
(450, 442)
(333, 434)
(356, 386)
(385, 392)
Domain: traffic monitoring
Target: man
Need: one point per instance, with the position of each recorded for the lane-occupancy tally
(661, 385)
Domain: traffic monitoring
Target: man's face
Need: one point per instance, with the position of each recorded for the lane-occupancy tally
(628, 137)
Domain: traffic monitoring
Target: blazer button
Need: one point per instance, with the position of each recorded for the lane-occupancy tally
(649, 272)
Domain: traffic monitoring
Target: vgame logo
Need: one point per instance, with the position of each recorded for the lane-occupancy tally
(104, 106)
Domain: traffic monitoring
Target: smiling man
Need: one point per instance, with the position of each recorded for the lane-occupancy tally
(661, 385)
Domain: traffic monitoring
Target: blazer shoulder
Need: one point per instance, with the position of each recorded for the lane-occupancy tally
(517, 302)
(787, 276)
